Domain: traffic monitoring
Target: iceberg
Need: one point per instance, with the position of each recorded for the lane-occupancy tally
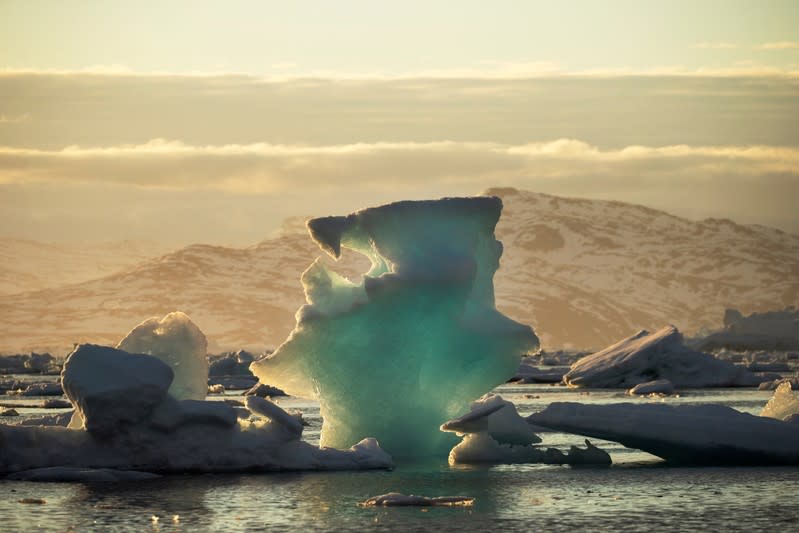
(772, 330)
(646, 357)
(681, 434)
(177, 341)
(125, 419)
(783, 405)
(407, 347)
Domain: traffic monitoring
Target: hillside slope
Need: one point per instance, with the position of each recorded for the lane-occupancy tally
(582, 272)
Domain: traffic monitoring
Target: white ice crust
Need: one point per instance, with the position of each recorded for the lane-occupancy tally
(692, 434)
(646, 357)
(177, 341)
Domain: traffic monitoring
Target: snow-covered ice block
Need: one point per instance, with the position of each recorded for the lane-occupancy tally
(177, 341)
(497, 417)
(110, 387)
(172, 414)
(783, 404)
(687, 434)
(648, 356)
(406, 348)
(495, 433)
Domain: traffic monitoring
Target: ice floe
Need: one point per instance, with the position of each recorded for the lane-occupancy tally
(125, 419)
(686, 434)
(646, 357)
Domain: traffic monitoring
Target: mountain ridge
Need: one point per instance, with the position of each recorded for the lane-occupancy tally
(582, 272)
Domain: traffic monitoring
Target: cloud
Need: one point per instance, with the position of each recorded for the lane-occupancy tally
(482, 70)
(262, 168)
(15, 119)
(779, 45)
(607, 111)
(716, 46)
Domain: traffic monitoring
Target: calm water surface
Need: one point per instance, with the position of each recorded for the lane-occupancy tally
(638, 493)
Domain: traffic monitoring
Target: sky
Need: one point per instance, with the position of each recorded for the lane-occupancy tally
(212, 122)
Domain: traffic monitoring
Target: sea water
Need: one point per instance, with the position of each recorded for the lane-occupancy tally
(638, 493)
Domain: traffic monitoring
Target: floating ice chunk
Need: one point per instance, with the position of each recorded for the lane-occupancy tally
(110, 388)
(177, 341)
(689, 434)
(263, 390)
(264, 407)
(495, 433)
(234, 382)
(403, 500)
(659, 386)
(127, 421)
(772, 330)
(481, 448)
(530, 372)
(783, 404)
(590, 455)
(408, 347)
(648, 356)
(498, 418)
(60, 419)
(478, 448)
(90, 475)
(39, 389)
(475, 421)
(793, 382)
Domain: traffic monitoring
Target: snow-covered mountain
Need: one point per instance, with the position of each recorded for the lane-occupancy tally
(27, 265)
(583, 272)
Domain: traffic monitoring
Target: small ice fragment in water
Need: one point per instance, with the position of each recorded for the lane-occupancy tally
(659, 386)
(36, 501)
(398, 499)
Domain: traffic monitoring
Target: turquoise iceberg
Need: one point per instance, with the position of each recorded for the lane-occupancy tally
(409, 346)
